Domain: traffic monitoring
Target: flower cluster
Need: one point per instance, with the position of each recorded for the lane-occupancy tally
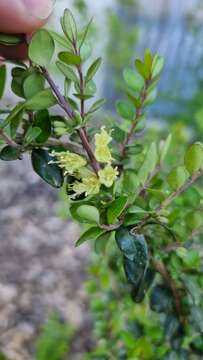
(86, 182)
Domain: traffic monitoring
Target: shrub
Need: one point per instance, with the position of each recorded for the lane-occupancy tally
(119, 184)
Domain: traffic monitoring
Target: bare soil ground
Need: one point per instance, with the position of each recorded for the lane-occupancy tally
(40, 270)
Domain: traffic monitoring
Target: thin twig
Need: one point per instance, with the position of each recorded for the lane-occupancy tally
(138, 114)
(65, 106)
(161, 269)
(171, 197)
(67, 145)
(7, 139)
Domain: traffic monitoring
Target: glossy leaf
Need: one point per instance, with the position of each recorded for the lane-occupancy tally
(31, 134)
(116, 208)
(138, 292)
(161, 299)
(91, 234)
(135, 252)
(9, 153)
(50, 173)
(42, 121)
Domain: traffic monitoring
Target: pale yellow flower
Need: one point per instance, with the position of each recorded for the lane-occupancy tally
(90, 186)
(108, 175)
(103, 154)
(103, 138)
(102, 151)
(69, 162)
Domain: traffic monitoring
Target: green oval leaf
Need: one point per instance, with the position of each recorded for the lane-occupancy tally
(88, 213)
(33, 84)
(50, 173)
(116, 208)
(41, 48)
(125, 109)
(42, 100)
(194, 158)
(90, 234)
(93, 69)
(133, 80)
(69, 58)
(177, 177)
(9, 153)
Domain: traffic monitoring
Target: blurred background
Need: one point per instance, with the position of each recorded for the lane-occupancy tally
(51, 303)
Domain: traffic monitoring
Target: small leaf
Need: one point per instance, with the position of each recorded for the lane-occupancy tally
(116, 208)
(149, 164)
(133, 80)
(90, 234)
(197, 317)
(85, 33)
(31, 134)
(67, 72)
(125, 110)
(164, 149)
(69, 25)
(15, 112)
(133, 247)
(177, 177)
(33, 84)
(161, 299)
(138, 292)
(96, 106)
(93, 70)
(192, 259)
(10, 39)
(69, 58)
(101, 242)
(142, 69)
(42, 100)
(2, 79)
(60, 39)
(18, 77)
(88, 213)
(150, 98)
(42, 121)
(41, 48)
(50, 173)
(194, 158)
(85, 51)
(9, 153)
(157, 65)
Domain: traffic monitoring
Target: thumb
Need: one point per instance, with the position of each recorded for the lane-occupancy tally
(24, 16)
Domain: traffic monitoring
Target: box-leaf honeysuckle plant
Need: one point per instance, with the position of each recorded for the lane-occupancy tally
(119, 186)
